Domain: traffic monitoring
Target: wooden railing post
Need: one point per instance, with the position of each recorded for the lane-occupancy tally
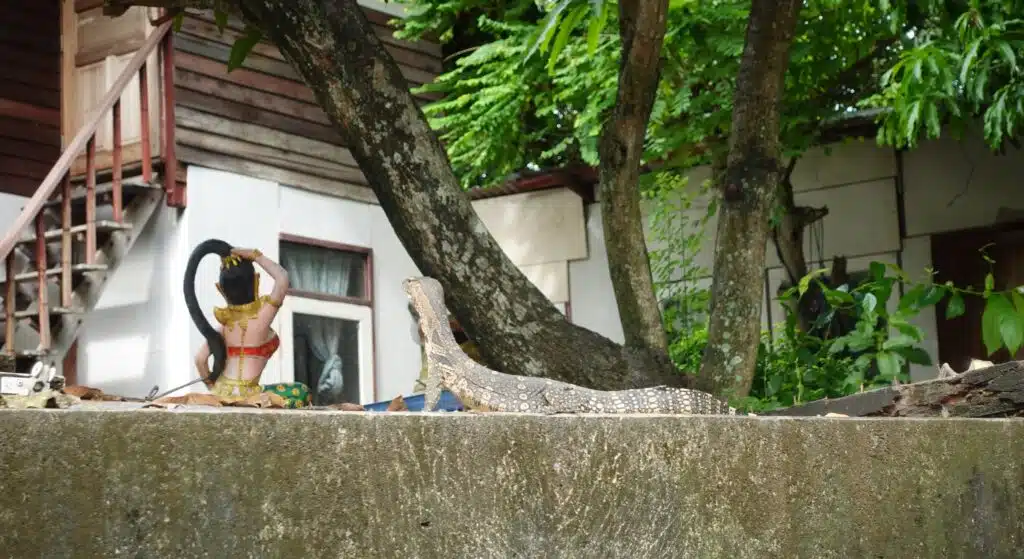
(175, 196)
(115, 192)
(147, 148)
(12, 291)
(65, 241)
(90, 201)
(42, 297)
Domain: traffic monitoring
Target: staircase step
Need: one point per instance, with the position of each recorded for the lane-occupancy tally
(75, 268)
(102, 226)
(105, 190)
(53, 310)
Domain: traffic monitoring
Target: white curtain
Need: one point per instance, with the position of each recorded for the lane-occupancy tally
(317, 270)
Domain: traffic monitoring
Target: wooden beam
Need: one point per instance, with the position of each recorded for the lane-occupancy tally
(302, 181)
(186, 117)
(226, 89)
(24, 111)
(231, 147)
(242, 112)
(995, 391)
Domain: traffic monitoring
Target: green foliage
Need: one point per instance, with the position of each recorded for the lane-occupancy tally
(964, 63)
(676, 231)
(535, 93)
(876, 345)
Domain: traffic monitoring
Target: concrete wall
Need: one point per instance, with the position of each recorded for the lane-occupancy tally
(160, 484)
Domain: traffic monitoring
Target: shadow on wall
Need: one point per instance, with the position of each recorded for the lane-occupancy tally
(121, 341)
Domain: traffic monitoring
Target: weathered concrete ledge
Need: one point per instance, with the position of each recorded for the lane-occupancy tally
(157, 483)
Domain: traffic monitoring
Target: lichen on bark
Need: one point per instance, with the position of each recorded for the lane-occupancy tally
(748, 187)
(642, 29)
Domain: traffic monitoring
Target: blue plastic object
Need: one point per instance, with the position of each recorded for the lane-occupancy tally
(448, 402)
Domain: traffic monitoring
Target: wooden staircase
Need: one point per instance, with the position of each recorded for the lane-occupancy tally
(74, 231)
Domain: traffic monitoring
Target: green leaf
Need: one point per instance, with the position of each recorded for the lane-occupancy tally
(869, 303)
(598, 17)
(805, 282)
(911, 299)
(907, 329)
(990, 283)
(564, 33)
(889, 364)
(1001, 324)
(877, 270)
(1008, 54)
(221, 18)
(931, 296)
(543, 39)
(915, 355)
(1018, 300)
(243, 46)
(955, 307)
(899, 341)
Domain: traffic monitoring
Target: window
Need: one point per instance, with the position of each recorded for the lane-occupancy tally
(326, 322)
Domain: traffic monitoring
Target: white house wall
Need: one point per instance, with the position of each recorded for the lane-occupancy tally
(954, 185)
(122, 345)
(10, 209)
(590, 284)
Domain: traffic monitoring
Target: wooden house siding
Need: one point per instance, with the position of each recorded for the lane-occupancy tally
(261, 119)
(30, 93)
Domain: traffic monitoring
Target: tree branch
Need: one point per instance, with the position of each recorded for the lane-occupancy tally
(642, 28)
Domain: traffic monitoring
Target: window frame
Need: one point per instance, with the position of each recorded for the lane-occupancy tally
(363, 316)
(360, 310)
(366, 301)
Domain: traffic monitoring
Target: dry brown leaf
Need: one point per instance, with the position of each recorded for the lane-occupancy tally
(398, 404)
(261, 400)
(347, 406)
(83, 392)
(192, 398)
(90, 393)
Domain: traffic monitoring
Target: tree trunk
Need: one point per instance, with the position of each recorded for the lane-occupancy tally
(788, 237)
(333, 47)
(748, 186)
(642, 29)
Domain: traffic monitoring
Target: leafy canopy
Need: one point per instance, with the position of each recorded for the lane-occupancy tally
(964, 64)
(532, 93)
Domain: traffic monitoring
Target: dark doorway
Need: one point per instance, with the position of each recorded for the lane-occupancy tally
(957, 257)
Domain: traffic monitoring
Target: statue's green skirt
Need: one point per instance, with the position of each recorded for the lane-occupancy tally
(295, 394)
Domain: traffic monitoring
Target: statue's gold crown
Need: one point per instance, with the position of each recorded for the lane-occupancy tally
(229, 261)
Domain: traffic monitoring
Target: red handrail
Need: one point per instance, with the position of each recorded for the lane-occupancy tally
(60, 175)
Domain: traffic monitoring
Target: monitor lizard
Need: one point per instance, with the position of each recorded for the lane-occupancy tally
(482, 389)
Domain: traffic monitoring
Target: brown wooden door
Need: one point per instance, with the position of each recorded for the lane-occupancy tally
(30, 97)
(956, 257)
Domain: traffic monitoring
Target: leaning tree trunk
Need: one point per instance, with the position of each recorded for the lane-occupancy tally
(748, 186)
(642, 29)
(357, 83)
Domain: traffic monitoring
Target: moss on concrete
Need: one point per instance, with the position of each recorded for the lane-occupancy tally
(156, 483)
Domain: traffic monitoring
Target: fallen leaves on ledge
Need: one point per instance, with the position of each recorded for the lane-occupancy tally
(46, 399)
(346, 406)
(90, 393)
(398, 404)
(261, 400)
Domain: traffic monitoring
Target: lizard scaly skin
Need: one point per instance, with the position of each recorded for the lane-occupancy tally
(483, 389)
